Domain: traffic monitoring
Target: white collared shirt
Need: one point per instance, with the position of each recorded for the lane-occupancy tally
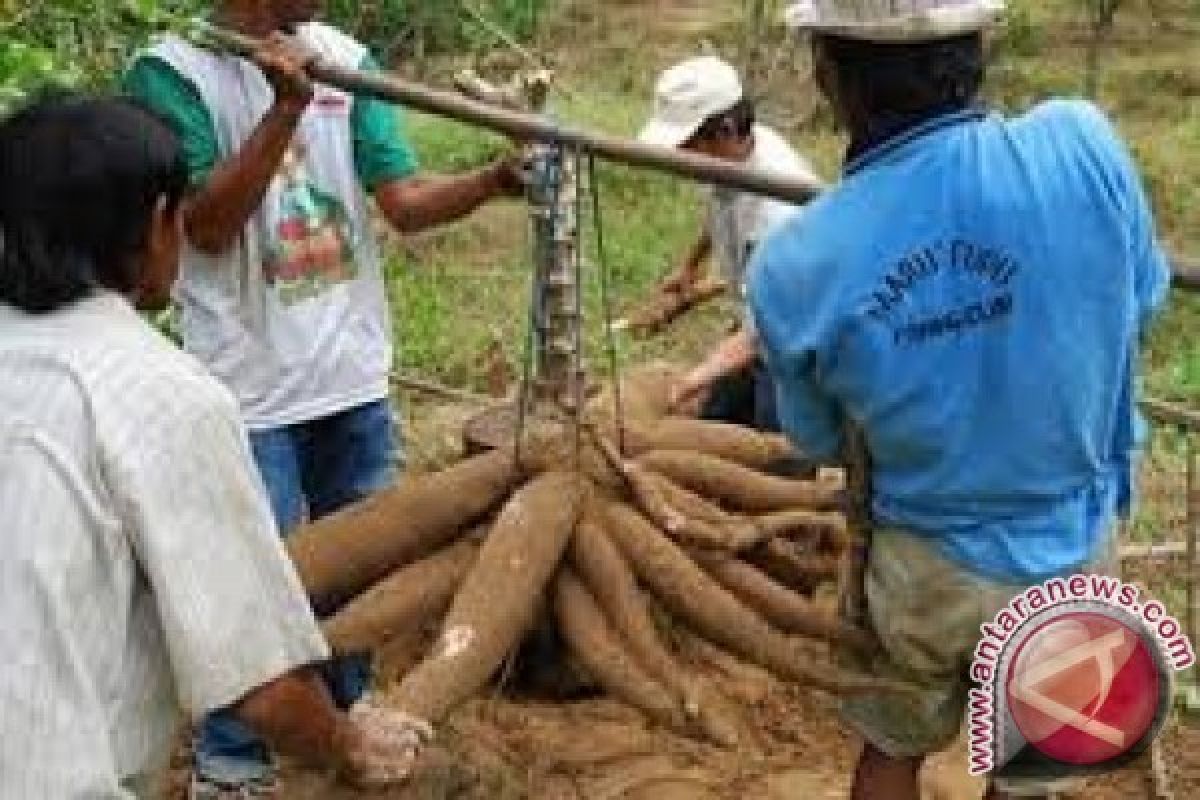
(141, 572)
(739, 220)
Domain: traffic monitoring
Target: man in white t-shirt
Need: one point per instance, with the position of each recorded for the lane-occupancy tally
(282, 290)
(700, 106)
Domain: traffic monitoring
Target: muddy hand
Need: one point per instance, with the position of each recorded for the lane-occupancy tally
(514, 171)
(380, 747)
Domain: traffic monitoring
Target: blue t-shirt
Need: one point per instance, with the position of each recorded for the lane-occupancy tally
(972, 295)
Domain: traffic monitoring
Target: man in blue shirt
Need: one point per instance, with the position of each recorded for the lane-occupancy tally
(970, 296)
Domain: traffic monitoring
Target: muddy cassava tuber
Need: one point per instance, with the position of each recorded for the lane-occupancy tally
(591, 531)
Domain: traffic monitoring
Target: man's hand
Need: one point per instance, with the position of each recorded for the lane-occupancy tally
(285, 63)
(377, 748)
(513, 172)
(218, 213)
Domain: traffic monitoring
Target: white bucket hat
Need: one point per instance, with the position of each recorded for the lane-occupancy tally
(686, 95)
(894, 20)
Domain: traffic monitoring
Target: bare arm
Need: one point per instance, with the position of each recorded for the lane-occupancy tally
(218, 212)
(416, 204)
(368, 747)
(296, 716)
(734, 353)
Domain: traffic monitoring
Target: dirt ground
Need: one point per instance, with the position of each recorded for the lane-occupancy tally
(504, 748)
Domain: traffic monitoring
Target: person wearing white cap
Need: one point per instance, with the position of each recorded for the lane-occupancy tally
(970, 296)
(700, 106)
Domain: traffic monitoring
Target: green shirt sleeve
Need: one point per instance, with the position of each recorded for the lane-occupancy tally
(155, 83)
(381, 151)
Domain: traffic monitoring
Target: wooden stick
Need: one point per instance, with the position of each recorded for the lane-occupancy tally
(446, 392)
(1186, 273)
(532, 127)
(1171, 414)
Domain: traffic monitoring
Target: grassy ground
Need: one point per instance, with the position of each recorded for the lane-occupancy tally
(607, 54)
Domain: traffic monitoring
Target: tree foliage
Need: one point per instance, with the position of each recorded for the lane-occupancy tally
(73, 43)
(85, 43)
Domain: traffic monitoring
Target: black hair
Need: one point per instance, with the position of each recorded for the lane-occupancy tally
(739, 118)
(80, 177)
(908, 79)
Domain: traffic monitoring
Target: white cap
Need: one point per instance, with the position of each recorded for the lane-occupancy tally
(686, 95)
(894, 20)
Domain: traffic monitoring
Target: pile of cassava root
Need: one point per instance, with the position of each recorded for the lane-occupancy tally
(594, 531)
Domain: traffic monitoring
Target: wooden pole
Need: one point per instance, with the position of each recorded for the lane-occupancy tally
(1186, 274)
(533, 127)
(1171, 414)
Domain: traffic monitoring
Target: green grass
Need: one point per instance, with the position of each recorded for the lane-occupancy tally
(458, 289)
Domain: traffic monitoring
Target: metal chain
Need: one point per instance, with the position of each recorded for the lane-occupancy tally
(544, 172)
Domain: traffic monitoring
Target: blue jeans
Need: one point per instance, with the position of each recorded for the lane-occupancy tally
(310, 470)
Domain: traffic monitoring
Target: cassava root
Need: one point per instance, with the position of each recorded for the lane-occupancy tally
(595, 533)
(499, 596)
(340, 555)
(600, 650)
(715, 613)
(421, 591)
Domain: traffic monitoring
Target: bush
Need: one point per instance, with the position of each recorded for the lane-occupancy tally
(73, 43)
(1019, 34)
(85, 43)
(411, 29)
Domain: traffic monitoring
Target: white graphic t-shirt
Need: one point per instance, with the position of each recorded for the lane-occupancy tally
(293, 317)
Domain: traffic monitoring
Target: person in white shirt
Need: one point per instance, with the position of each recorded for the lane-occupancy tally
(701, 107)
(143, 574)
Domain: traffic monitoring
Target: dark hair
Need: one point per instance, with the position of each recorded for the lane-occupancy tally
(909, 78)
(79, 180)
(740, 118)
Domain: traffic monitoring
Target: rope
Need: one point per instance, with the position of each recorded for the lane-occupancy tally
(526, 370)
(576, 158)
(610, 340)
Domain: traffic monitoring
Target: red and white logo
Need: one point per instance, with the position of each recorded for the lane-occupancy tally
(1084, 688)
(1073, 677)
